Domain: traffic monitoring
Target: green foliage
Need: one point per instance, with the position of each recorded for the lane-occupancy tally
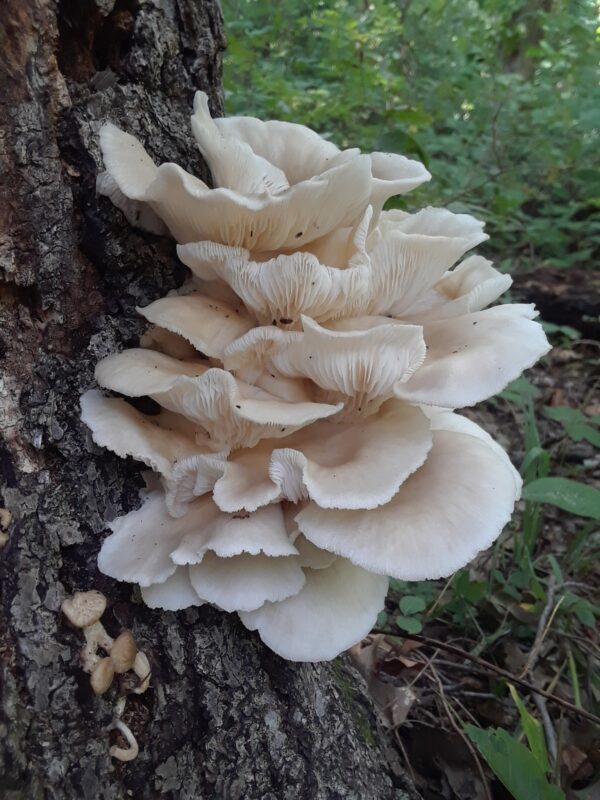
(532, 729)
(514, 764)
(572, 496)
(411, 607)
(499, 99)
(578, 426)
(511, 598)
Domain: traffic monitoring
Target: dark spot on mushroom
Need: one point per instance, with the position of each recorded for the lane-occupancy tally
(274, 322)
(299, 234)
(238, 406)
(286, 321)
(240, 516)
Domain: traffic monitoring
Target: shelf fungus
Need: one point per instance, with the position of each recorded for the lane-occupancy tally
(308, 376)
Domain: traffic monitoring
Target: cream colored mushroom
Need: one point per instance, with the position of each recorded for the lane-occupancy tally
(301, 451)
(123, 652)
(84, 608)
(102, 676)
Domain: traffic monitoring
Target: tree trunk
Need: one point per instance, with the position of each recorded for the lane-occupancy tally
(224, 717)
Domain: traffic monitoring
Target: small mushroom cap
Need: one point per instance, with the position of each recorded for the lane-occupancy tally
(102, 676)
(84, 608)
(123, 652)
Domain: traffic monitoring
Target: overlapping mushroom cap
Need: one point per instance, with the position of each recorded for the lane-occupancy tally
(308, 375)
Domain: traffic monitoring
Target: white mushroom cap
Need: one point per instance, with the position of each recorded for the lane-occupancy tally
(232, 412)
(174, 594)
(206, 323)
(193, 212)
(471, 286)
(338, 465)
(360, 358)
(474, 356)
(454, 506)
(413, 254)
(335, 609)
(147, 545)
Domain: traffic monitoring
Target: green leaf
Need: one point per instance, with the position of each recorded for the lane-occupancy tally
(513, 764)
(555, 567)
(412, 604)
(409, 624)
(520, 392)
(584, 612)
(565, 330)
(572, 496)
(532, 457)
(564, 414)
(580, 431)
(381, 619)
(533, 731)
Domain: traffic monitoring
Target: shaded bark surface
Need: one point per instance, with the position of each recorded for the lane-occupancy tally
(224, 718)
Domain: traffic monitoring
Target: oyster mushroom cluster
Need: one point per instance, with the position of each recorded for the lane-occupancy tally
(308, 374)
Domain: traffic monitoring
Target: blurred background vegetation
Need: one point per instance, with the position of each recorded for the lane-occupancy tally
(499, 98)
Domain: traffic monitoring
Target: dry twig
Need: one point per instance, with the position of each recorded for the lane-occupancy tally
(504, 673)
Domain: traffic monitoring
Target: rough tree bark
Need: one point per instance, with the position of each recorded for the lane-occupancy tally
(224, 717)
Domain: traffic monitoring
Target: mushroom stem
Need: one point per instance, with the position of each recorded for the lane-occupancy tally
(141, 667)
(122, 753)
(95, 637)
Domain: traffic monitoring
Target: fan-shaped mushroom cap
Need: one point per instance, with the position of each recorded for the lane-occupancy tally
(174, 594)
(469, 287)
(338, 465)
(413, 254)
(207, 324)
(233, 163)
(265, 221)
(455, 505)
(234, 413)
(300, 153)
(245, 582)
(147, 545)
(363, 362)
(283, 288)
(474, 356)
(155, 440)
(335, 609)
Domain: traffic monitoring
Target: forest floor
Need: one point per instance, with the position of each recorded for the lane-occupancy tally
(523, 617)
